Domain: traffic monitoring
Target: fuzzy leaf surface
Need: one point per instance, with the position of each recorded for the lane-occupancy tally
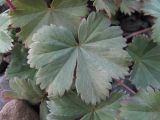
(147, 62)
(32, 15)
(98, 55)
(71, 107)
(143, 106)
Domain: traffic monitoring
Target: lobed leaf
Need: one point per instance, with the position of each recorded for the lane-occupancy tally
(143, 106)
(71, 107)
(39, 15)
(146, 58)
(18, 67)
(98, 54)
(5, 39)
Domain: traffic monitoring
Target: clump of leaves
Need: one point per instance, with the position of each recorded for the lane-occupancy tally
(66, 60)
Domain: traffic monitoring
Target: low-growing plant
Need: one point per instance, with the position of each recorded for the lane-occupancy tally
(72, 59)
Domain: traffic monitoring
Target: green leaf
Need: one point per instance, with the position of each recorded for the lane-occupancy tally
(143, 106)
(151, 7)
(18, 66)
(130, 6)
(5, 39)
(147, 62)
(26, 90)
(71, 107)
(98, 54)
(112, 6)
(43, 110)
(61, 13)
(107, 5)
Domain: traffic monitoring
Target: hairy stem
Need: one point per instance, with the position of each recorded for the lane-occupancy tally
(138, 33)
(122, 84)
(10, 5)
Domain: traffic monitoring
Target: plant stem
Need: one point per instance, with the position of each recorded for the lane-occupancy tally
(10, 5)
(138, 32)
(121, 83)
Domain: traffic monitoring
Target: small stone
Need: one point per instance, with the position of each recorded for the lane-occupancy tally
(18, 110)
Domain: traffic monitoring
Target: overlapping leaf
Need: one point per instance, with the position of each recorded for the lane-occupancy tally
(5, 39)
(31, 15)
(112, 6)
(152, 8)
(71, 107)
(98, 53)
(146, 56)
(18, 66)
(143, 106)
(25, 90)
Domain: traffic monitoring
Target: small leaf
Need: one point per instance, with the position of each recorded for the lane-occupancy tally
(39, 15)
(18, 66)
(98, 54)
(26, 90)
(5, 39)
(143, 106)
(147, 62)
(71, 107)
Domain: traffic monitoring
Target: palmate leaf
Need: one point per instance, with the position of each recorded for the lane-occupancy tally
(143, 106)
(18, 66)
(5, 39)
(71, 107)
(112, 6)
(30, 16)
(98, 55)
(151, 7)
(146, 56)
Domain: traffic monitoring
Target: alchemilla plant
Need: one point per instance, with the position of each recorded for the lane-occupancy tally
(72, 58)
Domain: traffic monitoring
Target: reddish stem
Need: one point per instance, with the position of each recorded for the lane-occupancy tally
(138, 32)
(121, 83)
(10, 5)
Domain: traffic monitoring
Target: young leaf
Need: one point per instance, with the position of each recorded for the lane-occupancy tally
(147, 62)
(151, 7)
(71, 107)
(26, 90)
(98, 53)
(5, 39)
(143, 106)
(18, 66)
(31, 17)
